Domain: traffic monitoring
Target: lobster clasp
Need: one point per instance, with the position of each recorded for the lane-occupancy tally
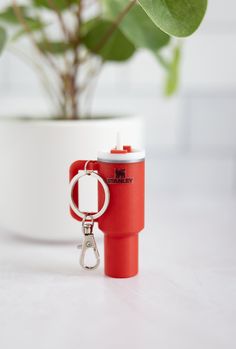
(88, 242)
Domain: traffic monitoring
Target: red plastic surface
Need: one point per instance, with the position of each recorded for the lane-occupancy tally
(126, 149)
(124, 217)
(121, 255)
(118, 151)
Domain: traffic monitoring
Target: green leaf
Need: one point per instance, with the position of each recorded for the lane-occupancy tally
(33, 27)
(54, 47)
(137, 26)
(61, 5)
(172, 71)
(176, 17)
(117, 48)
(9, 16)
(3, 39)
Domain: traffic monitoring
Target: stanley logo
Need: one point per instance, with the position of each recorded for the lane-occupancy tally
(120, 177)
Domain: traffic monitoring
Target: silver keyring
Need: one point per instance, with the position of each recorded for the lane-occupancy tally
(74, 207)
(88, 172)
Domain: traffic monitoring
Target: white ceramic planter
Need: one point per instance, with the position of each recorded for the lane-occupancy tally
(34, 160)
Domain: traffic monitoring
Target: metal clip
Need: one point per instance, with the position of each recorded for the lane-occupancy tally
(88, 242)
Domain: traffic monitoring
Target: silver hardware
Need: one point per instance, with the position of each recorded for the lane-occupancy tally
(87, 172)
(88, 242)
(88, 218)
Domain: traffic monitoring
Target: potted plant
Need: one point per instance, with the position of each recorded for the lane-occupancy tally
(73, 39)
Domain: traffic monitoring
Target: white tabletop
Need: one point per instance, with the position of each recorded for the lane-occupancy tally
(184, 296)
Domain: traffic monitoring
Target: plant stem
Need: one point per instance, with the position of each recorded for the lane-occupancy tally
(69, 75)
(65, 30)
(76, 65)
(114, 25)
(25, 26)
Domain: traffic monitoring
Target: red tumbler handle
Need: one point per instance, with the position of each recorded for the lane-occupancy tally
(77, 166)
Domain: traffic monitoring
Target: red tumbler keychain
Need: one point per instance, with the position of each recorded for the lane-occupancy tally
(120, 174)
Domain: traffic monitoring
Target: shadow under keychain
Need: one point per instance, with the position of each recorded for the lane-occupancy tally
(121, 188)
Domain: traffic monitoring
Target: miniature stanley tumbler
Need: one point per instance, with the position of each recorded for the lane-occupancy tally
(120, 174)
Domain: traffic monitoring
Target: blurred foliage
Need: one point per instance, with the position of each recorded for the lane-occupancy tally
(173, 72)
(176, 17)
(3, 38)
(117, 48)
(111, 30)
(60, 5)
(137, 26)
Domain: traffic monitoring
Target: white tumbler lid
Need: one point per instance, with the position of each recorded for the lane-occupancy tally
(134, 156)
(121, 153)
